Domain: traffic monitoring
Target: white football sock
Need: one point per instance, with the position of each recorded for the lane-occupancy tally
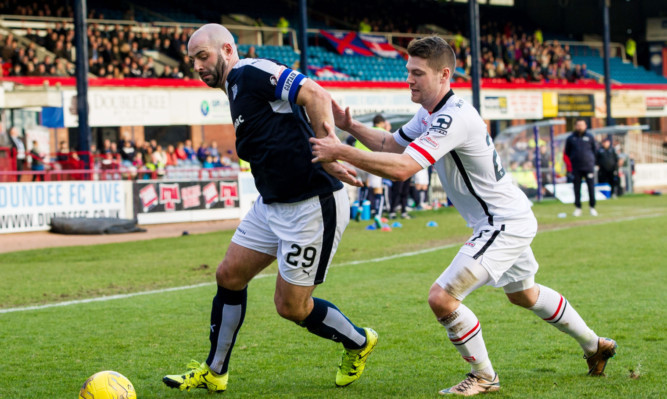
(553, 308)
(465, 332)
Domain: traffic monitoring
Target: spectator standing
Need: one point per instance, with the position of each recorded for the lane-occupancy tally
(189, 151)
(202, 153)
(580, 152)
(607, 160)
(37, 161)
(127, 152)
(180, 152)
(172, 158)
(213, 150)
(252, 53)
(18, 148)
(630, 48)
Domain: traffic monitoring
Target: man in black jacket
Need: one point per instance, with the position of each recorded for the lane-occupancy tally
(580, 149)
(607, 160)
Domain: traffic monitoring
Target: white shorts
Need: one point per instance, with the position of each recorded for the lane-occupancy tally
(303, 235)
(421, 177)
(373, 181)
(504, 252)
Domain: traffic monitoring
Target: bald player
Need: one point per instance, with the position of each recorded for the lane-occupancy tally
(298, 218)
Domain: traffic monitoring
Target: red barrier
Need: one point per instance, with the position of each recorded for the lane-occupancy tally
(7, 163)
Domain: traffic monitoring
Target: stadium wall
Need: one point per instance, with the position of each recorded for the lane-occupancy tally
(132, 104)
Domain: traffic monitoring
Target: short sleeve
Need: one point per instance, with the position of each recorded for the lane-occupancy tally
(444, 135)
(289, 84)
(272, 81)
(410, 131)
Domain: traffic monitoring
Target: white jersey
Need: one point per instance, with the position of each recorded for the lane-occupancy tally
(455, 141)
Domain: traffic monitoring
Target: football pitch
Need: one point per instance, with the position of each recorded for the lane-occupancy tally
(611, 268)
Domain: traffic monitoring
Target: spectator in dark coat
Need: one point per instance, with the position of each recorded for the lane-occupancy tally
(580, 149)
(607, 160)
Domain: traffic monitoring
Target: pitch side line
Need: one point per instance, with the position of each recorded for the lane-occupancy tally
(352, 263)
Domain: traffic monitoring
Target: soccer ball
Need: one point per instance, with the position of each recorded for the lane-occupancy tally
(107, 385)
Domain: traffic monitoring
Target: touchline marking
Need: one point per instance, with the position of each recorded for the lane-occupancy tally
(187, 287)
(352, 263)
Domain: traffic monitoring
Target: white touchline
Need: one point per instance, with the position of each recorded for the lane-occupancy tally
(352, 263)
(187, 287)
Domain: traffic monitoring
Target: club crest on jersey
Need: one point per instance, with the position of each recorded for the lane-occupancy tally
(429, 142)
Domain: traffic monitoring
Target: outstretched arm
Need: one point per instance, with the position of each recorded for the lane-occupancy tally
(398, 167)
(374, 139)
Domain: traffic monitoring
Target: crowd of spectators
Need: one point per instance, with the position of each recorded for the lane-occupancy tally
(17, 60)
(150, 159)
(113, 52)
(120, 52)
(509, 53)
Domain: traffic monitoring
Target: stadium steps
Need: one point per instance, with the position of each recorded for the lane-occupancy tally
(358, 68)
(622, 72)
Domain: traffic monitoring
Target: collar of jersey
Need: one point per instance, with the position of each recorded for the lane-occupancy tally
(442, 102)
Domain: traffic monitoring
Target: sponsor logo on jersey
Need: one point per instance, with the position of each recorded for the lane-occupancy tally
(235, 90)
(239, 120)
(424, 122)
(459, 103)
(273, 80)
(429, 142)
(437, 130)
(470, 244)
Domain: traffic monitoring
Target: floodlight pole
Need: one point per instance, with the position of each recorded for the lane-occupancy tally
(81, 62)
(607, 69)
(553, 159)
(473, 16)
(303, 36)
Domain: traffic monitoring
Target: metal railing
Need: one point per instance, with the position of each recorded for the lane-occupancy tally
(119, 173)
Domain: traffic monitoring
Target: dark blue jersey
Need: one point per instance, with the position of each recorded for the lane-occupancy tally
(272, 131)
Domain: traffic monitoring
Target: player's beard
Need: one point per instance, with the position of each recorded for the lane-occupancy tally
(217, 73)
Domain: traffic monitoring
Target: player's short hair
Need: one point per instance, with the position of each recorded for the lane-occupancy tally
(434, 49)
(378, 119)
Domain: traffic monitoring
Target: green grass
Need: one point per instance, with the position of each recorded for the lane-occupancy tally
(611, 268)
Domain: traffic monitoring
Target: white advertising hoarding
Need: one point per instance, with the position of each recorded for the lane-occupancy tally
(149, 107)
(30, 206)
(504, 105)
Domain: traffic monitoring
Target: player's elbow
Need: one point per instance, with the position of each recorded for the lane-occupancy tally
(314, 94)
(322, 96)
(401, 174)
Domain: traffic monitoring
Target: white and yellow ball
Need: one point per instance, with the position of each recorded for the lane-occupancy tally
(107, 385)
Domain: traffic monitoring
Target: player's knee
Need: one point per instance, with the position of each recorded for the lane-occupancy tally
(225, 277)
(441, 302)
(290, 310)
(525, 299)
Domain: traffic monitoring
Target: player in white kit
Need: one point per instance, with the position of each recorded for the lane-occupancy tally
(449, 134)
